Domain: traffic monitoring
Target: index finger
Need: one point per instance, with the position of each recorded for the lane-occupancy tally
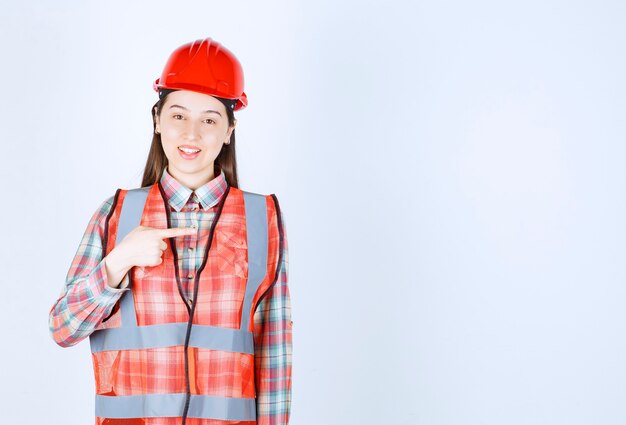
(176, 231)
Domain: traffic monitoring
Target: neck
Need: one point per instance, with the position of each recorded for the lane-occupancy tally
(192, 181)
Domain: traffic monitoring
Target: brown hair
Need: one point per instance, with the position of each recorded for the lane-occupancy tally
(226, 160)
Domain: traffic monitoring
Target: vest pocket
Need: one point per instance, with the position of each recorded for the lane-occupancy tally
(232, 252)
(105, 369)
(224, 373)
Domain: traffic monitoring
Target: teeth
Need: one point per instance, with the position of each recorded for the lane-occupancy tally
(186, 150)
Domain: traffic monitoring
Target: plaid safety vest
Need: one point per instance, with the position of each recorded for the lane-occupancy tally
(161, 355)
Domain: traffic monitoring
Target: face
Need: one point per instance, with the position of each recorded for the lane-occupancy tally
(195, 121)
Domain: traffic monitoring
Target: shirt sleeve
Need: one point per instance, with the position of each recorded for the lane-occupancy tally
(273, 351)
(86, 298)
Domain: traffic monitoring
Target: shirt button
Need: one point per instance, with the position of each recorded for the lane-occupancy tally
(190, 300)
(190, 248)
(190, 276)
(195, 226)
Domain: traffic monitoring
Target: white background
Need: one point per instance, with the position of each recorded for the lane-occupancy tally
(451, 173)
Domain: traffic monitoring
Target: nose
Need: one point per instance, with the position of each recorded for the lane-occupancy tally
(192, 130)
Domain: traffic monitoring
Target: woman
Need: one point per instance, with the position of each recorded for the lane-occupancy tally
(180, 333)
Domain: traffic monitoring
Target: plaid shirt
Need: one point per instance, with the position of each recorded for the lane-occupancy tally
(86, 298)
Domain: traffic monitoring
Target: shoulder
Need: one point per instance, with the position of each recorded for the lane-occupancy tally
(268, 196)
(106, 206)
(110, 203)
(270, 199)
(99, 217)
(271, 202)
(117, 198)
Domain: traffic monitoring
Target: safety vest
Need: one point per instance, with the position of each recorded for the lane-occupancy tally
(159, 355)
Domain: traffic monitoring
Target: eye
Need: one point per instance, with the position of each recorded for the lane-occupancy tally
(177, 115)
(209, 119)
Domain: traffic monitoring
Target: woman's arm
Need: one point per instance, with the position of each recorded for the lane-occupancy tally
(87, 297)
(272, 328)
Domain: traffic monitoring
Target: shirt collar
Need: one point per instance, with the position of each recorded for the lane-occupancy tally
(178, 194)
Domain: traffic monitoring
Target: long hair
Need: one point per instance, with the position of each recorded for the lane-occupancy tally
(226, 160)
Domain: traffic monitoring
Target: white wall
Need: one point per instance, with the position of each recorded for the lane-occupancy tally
(452, 175)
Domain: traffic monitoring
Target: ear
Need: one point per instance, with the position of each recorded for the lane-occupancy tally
(156, 118)
(231, 128)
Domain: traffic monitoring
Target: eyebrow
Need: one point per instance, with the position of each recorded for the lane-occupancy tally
(207, 111)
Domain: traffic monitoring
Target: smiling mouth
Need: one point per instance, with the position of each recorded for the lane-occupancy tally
(188, 150)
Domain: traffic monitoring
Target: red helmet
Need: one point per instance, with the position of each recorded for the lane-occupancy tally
(207, 67)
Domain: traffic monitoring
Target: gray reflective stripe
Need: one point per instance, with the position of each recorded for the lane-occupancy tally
(130, 217)
(256, 228)
(171, 334)
(157, 405)
(132, 210)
